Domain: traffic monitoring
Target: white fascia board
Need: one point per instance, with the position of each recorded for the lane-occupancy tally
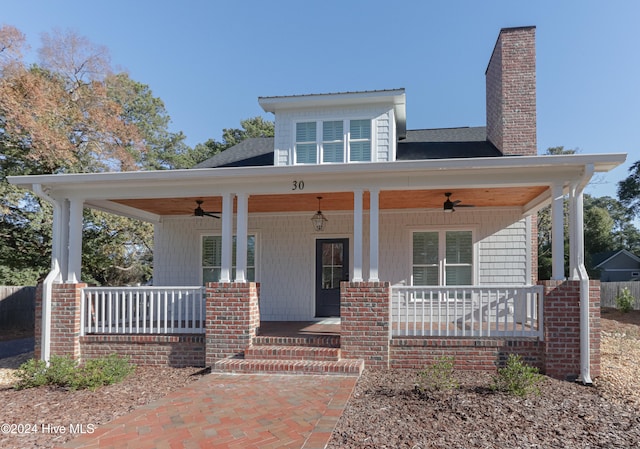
(274, 104)
(122, 210)
(425, 174)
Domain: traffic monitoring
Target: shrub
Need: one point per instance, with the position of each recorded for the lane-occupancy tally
(63, 371)
(31, 373)
(517, 378)
(439, 376)
(104, 371)
(625, 301)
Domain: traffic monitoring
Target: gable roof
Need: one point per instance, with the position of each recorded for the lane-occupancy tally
(605, 257)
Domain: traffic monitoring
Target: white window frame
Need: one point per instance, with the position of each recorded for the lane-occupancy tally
(218, 234)
(346, 140)
(442, 248)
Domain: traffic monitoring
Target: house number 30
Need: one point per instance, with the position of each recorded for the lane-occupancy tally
(297, 185)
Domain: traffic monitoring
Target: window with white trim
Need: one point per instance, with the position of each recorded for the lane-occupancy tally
(333, 141)
(360, 140)
(306, 146)
(212, 258)
(442, 258)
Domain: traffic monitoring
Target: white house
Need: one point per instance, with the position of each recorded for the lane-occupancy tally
(443, 219)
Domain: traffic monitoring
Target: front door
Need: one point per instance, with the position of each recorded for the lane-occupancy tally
(332, 267)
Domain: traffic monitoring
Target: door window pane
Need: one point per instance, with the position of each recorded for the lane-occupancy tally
(332, 265)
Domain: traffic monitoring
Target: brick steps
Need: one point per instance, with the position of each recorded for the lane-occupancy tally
(313, 354)
(324, 341)
(281, 352)
(240, 365)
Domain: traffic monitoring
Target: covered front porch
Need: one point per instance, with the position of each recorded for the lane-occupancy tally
(475, 289)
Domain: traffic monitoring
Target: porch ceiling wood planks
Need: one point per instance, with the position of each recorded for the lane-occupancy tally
(307, 202)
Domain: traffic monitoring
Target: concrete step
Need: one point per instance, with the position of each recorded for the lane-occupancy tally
(240, 365)
(282, 352)
(324, 341)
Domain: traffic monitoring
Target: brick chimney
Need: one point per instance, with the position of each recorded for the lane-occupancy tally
(511, 92)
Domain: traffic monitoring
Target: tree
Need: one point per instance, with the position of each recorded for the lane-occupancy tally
(70, 113)
(629, 190)
(251, 127)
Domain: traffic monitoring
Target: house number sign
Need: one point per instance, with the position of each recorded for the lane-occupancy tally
(297, 185)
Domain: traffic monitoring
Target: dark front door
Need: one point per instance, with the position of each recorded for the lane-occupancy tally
(332, 267)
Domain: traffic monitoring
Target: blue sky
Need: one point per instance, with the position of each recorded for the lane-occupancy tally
(209, 61)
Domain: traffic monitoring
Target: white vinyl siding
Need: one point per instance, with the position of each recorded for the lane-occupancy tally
(360, 141)
(212, 258)
(442, 258)
(306, 146)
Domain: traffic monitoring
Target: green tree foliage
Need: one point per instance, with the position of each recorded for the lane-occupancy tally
(629, 190)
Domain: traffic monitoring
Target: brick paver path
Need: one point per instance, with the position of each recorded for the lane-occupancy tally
(232, 411)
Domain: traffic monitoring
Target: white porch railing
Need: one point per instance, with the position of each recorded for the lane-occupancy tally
(143, 310)
(467, 311)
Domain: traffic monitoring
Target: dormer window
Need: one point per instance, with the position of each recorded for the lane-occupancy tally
(360, 141)
(306, 146)
(335, 141)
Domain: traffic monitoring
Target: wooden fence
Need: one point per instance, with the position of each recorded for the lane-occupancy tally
(17, 307)
(609, 291)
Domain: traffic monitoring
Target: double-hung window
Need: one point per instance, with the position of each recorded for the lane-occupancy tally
(212, 258)
(360, 140)
(333, 141)
(306, 145)
(442, 258)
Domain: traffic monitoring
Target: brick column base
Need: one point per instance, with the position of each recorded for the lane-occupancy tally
(365, 309)
(232, 320)
(65, 319)
(562, 328)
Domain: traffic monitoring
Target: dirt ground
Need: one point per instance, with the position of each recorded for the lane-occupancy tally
(386, 410)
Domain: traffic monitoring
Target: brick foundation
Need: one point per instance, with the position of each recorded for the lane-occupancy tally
(366, 319)
(158, 350)
(233, 317)
(470, 354)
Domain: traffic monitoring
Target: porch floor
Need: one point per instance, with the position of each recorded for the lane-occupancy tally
(330, 327)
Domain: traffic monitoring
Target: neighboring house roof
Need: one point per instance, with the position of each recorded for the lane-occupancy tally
(604, 258)
(256, 151)
(447, 143)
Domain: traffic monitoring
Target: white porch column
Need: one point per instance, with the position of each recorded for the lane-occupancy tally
(357, 236)
(242, 218)
(374, 213)
(574, 230)
(227, 237)
(557, 232)
(75, 240)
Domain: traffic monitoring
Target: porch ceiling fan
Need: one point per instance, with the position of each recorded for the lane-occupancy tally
(199, 212)
(449, 206)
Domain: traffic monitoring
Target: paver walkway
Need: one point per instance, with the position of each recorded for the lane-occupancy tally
(241, 411)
